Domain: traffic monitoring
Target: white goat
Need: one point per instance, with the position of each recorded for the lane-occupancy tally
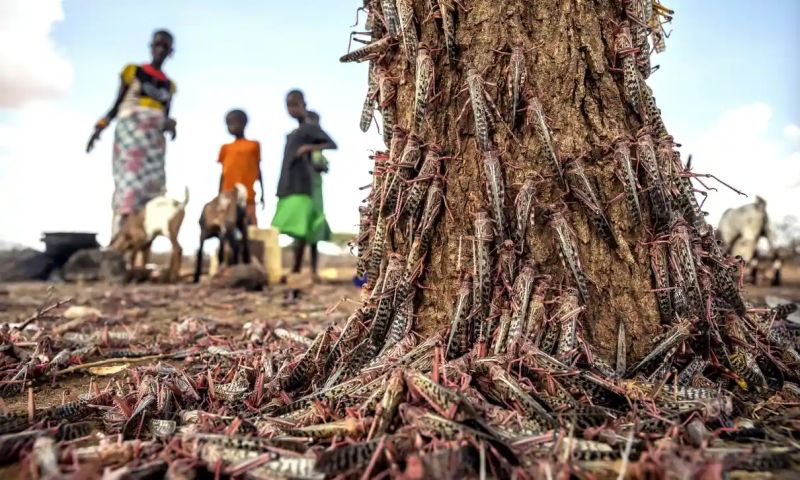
(160, 216)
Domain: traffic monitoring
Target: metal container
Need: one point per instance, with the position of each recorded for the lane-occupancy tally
(61, 245)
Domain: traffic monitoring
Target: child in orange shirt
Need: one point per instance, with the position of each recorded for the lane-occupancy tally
(241, 163)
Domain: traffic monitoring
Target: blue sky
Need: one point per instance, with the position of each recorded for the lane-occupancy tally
(728, 88)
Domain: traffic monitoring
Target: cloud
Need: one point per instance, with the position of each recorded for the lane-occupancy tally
(54, 185)
(46, 180)
(31, 67)
(792, 131)
(744, 149)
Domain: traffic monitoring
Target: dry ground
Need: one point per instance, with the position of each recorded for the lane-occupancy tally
(151, 310)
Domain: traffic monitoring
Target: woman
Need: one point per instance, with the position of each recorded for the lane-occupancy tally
(142, 107)
(295, 214)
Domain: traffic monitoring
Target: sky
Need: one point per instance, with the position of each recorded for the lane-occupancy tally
(727, 87)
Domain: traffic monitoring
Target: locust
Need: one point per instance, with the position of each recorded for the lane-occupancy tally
(416, 193)
(346, 458)
(483, 110)
(351, 332)
(387, 93)
(362, 241)
(447, 11)
(306, 367)
(501, 335)
(682, 190)
(391, 17)
(369, 51)
(659, 263)
(695, 367)
(346, 427)
(423, 87)
(495, 190)
(430, 211)
(567, 318)
(544, 136)
(631, 78)
(387, 408)
(513, 392)
(682, 257)
(484, 238)
(622, 157)
(445, 401)
(569, 254)
(639, 11)
(520, 299)
(507, 264)
(536, 309)
(517, 75)
(401, 323)
(652, 112)
(582, 188)
(656, 25)
(369, 102)
(287, 467)
(523, 212)
(387, 301)
(659, 202)
(396, 180)
(376, 250)
(676, 335)
(459, 337)
(408, 28)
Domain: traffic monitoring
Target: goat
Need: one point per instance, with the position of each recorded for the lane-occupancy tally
(161, 216)
(222, 218)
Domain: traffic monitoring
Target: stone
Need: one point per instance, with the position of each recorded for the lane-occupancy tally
(25, 264)
(92, 265)
(249, 276)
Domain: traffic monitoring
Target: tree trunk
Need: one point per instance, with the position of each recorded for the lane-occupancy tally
(561, 123)
(568, 49)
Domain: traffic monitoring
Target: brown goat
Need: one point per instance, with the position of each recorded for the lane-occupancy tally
(160, 216)
(222, 218)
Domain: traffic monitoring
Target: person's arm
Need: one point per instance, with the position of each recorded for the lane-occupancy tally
(261, 186)
(318, 140)
(169, 123)
(220, 160)
(101, 124)
(314, 147)
(260, 179)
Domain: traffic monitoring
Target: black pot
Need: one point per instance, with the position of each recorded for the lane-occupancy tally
(61, 245)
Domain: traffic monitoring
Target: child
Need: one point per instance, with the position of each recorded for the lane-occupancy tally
(295, 214)
(241, 163)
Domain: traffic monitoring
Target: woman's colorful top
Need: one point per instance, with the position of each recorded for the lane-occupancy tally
(147, 87)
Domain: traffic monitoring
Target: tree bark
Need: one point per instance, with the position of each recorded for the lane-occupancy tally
(568, 58)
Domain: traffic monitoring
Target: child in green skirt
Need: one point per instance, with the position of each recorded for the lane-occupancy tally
(299, 213)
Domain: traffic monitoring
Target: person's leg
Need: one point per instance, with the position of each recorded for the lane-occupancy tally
(198, 267)
(299, 248)
(314, 259)
(251, 214)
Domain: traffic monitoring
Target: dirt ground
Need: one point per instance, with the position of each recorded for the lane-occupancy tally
(149, 311)
(152, 312)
